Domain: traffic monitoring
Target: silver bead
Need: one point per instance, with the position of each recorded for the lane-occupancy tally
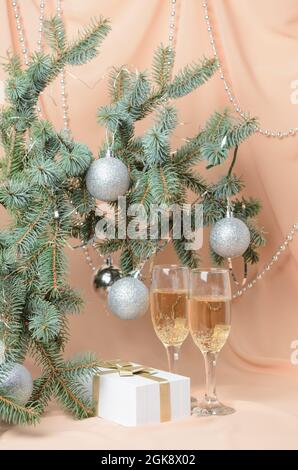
(18, 384)
(107, 179)
(229, 237)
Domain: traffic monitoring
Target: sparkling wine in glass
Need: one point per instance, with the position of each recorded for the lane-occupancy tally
(210, 324)
(169, 308)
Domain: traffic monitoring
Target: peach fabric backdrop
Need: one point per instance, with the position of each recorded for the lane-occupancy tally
(258, 46)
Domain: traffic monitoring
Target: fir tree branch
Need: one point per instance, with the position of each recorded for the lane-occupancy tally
(13, 413)
(162, 66)
(191, 77)
(233, 161)
(55, 34)
(54, 251)
(31, 226)
(86, 47)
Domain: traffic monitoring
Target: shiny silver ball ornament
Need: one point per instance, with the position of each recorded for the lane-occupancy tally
(18, 384)
(229, 237)
(107, 179)
(128, 298)
(104, 278)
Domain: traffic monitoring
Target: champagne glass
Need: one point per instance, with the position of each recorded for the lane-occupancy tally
(210, 323)
(169, 308)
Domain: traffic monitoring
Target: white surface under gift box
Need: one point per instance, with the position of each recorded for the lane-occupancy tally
(134, 395)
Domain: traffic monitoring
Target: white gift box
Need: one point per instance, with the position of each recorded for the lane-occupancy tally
(141, 399)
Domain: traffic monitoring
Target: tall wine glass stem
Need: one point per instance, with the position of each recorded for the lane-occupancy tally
(173, 356)
(210, 359)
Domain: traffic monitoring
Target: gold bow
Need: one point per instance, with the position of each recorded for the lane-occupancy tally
(124, 368)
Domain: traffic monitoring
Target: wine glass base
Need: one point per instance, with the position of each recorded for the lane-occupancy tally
(214, 409)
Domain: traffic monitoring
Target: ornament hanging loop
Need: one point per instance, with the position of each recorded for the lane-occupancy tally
(230, 208)
(233, 275)
(110, 142)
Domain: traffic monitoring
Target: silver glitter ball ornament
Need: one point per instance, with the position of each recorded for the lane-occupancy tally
(18, 384)
(128, 298)
(104, 278)
(229, 237)
(107, 179)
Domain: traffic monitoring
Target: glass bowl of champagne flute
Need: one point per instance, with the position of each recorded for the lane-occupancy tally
(169, 308)
(210, 324)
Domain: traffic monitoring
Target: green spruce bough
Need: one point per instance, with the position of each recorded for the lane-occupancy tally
(162, 176)
(42, 171)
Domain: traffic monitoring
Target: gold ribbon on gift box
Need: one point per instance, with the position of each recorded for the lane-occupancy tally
(126, 369)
